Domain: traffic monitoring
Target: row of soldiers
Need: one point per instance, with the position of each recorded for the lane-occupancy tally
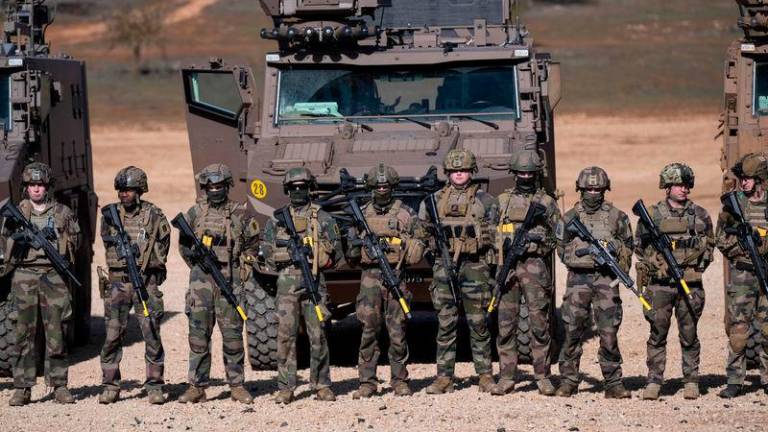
(476, 226)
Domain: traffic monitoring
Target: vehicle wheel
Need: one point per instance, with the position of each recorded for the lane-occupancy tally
(261, 328)
(7, 337)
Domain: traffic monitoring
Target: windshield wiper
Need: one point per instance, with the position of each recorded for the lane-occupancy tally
(413, 120)
(334, 117)
(485, 122)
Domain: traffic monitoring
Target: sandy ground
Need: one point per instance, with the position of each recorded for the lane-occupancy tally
(632, 150)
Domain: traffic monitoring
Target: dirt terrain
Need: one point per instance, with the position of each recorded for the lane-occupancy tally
(581, 140)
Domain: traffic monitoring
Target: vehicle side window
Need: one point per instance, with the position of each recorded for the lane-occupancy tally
(214, 92)
(761, 89)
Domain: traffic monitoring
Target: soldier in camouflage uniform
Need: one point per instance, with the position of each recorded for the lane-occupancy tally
(321, 233)
(591, 287)
(222, 225)
(745, 300)
(398, 226)
(531, 279)
(690, 228)
(37, 288)
(469, 217)
(147, 229)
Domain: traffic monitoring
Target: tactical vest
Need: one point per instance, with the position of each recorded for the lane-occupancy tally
(602, 227)
(757, 216)
(140, 229)
(53, 217)
(307, 227)
(460, 223)
(513, 213)
(387, 227)
(213, 226)
(680, 227)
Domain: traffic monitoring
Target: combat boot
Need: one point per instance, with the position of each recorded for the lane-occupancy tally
(442, 384)
(155, 397)
(651, 391)
(617, 392)
(567, 389)
(284, 397)
(240, 394)
(63, 396)
(503, 387)
(194, 394)
(365, 391)
(730, 391)
(486, 383)
(109, 395)
(401, 388)
(325, 394)
(691, 390)
(545, 387)
(20, 397)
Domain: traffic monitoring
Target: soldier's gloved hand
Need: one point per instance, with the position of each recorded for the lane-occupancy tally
(487, 236)
(49, 233)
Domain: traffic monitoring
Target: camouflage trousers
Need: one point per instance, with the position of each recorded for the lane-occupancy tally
(474, 278)
(376, 305)
(666, 300)
(745, 303)
(585, 291)
(292, 305)
(205, 305)
(40, 288)
(121, 299)
(532, 280)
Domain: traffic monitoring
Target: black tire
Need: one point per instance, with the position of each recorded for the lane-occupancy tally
(7, 338)
(261, 328)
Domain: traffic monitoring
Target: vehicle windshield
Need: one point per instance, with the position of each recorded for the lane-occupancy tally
(761, 89)
(389, 94)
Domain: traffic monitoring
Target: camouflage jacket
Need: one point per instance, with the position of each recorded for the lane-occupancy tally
(469, 217)
(147, 228)
(319, 230)
(56, 217)
(607, 224)
(398, 227)
(230, 233)
(513, 206)
(757, 216)
(691, 232)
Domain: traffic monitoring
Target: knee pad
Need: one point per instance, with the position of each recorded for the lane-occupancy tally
(738, 336)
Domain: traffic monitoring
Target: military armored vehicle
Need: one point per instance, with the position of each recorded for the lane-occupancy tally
(44, 117)
(744, 121)
(354, 82)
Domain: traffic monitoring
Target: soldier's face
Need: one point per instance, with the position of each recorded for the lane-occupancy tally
(127, 197)
(747, 184)
(36, 191)
(679, 193)
(460, 178)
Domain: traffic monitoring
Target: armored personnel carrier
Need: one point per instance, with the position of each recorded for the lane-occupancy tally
(355, 82)
(44, 117)
(744, 122)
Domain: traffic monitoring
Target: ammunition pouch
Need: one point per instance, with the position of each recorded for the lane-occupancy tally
(466, 236)
(576, 255)
(414, 251)
(104, 284)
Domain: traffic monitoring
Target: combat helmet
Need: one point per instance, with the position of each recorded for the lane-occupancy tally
(381, 174)
(752, 165)
(460, 160)
(215, 173)
(37, 172)
(676, 174)
(299, 174)
(593, 177)
(525, 161)
(132, 177)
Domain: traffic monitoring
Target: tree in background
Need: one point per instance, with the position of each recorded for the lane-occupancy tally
(138, 28)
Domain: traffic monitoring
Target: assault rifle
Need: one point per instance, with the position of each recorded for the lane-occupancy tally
(746, 236)
(29, 235)
(514, 249)
(205, 258)
(604, 256)
(126, 251)
(442, 244)
(663, 245)
(375, 250)
(299, 256)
